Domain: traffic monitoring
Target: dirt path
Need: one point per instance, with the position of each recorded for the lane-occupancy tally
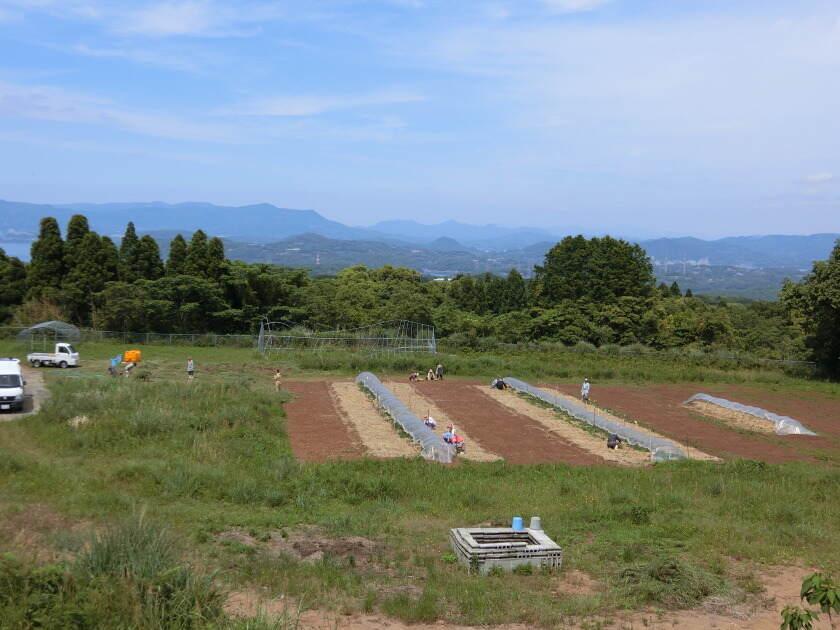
(693, 453)
(660, 407)
(377, 433)
(516, 437)
(420, 406)
(317, 431)
(576, 435)
(758, 613)
(736, 419)
(36, 394)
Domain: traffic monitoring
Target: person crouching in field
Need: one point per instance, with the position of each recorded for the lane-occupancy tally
(278, 380)
(430, 375)
(414, 377)
(584, 390)
(429, 421)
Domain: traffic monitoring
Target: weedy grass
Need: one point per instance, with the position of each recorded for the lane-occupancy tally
(537, 361)
(211, 456)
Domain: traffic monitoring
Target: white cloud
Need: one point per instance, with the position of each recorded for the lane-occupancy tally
(58, 105)
(143, 56)
(573, 6)
(820, 178)
(161, 18)
(313, 105)
(172, 18)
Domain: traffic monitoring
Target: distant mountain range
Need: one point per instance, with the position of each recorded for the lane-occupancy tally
(751, 266)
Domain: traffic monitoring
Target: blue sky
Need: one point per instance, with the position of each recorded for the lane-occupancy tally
(636, 117)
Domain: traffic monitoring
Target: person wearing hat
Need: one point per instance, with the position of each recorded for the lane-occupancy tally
(584, 390)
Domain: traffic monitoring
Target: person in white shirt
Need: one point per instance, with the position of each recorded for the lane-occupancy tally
(584, 390)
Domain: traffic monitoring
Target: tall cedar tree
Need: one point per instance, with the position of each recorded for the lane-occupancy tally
(89, 275)
(46, 267)
(177, 261)
(816, 300)
(597, 270)
(197, 256)
(13, 281)
(215, 259)
(128, 255)
(110, 258)
(148, 264)
(77, 229)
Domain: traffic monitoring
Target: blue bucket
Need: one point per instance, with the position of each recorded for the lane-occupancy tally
(517, 524)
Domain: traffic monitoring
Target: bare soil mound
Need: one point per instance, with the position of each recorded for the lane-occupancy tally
(317, 430)
(377, 433)
(420, 406)
(514, 436)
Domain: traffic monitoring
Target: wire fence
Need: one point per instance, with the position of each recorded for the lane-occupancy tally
(152, 338)
(422, 341)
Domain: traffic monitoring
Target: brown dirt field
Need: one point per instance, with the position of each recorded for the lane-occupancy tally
(691, 452)
(317, 431)
(736, 419)
(818, 412)
(420, 406)
(377, 433)
(517, 438)
(568, 431)
(661, 408)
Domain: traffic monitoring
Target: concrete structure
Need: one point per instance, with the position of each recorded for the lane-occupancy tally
(483, 549)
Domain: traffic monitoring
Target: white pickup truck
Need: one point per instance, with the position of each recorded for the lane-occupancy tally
(64, 356)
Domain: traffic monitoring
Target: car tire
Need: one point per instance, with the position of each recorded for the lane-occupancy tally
(62, 364)
(36, 363)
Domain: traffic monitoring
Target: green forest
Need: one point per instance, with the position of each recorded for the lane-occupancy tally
(587, 293)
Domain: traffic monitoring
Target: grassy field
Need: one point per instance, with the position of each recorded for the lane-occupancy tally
(208, 466)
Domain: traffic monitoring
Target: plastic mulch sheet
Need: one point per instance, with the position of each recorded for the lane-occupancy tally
(784, 425)
(431, 444)
(661, 449)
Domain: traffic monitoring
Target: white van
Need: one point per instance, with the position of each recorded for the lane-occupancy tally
(11, 385)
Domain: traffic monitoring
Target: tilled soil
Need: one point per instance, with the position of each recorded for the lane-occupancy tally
(377, 433)
(737, 419)
(661, 408)
(317, 431)
(420, 406)
(691, 452)
(818, 412)
(580, 437)
(516, 437)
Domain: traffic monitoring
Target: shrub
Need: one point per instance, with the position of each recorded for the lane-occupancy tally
(672, 582)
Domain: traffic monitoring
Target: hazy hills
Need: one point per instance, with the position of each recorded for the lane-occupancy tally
(751, 266)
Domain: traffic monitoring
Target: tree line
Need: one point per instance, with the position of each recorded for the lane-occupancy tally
(587, 291)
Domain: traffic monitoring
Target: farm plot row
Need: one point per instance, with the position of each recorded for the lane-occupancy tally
(335, 420)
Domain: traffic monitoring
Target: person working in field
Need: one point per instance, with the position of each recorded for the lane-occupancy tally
(278, 380)
(429, 421)
(430, 375)
(584, 390)
(439, 372)
(190, 368)
(414, 377)
(613, 441)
